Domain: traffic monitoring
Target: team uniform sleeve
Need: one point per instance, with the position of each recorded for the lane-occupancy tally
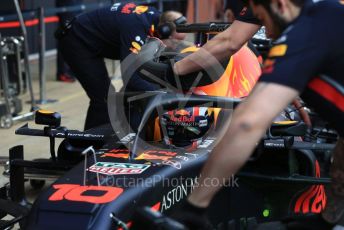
(132, 39)
(295, 61)
(246, 15)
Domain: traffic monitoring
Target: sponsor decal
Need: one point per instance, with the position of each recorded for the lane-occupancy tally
(203, 123)
(128, 138)
(140, 9)
(109, 168)
(313, 200)
(79, 135)
(161, 155)
(240, 76)
(146, 156)
(161, 152)
(182, 115)
(184, 158)
(117, 153)
(115, 6)
(278, 50)
(136, 47)
(128, 8)
(206, 143)
(268, 143)
(177, 194)
(172, 163)
(75, 192)
(139, 39)
(133, 8)
(192, 155)
(156, 155)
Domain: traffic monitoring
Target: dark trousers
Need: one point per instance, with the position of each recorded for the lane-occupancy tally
(62, 67)
(90, 69)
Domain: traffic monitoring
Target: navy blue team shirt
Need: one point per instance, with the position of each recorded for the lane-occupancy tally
(309, 57)
(118, 31)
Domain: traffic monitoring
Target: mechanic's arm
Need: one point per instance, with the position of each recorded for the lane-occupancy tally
(222, 46)
(249, 122)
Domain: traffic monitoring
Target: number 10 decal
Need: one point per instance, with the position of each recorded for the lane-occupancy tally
(74, 192)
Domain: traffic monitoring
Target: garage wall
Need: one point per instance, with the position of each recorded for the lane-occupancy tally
(7, 9)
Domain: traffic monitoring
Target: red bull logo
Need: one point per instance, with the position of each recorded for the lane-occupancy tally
(312, 200)
(156, 155)
(181, 115)
(182, 112)
(128, 8)
(140, 9)
(147, 155)
(240, 76)
(133, 8)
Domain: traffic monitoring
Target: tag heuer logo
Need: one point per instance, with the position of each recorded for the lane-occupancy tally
(109, 168)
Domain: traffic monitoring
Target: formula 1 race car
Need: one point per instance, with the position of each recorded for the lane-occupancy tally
(107, 173)
(103, 186)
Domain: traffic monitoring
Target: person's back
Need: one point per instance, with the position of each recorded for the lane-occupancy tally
(309, 56)
(329, 86)
(107, 29)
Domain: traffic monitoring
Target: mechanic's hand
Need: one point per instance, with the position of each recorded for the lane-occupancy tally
(202, 77)
(163, 74)
(194, 218)
(187, 81)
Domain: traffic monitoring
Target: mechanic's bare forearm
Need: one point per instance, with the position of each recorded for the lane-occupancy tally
(228, 156)
(219, 48)
(249, 122)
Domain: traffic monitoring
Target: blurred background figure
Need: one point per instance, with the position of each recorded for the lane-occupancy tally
(180, 6)
(63, 72)
(232, 9)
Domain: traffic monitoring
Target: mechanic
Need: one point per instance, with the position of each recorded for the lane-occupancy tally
(114, 33)
(307, 59)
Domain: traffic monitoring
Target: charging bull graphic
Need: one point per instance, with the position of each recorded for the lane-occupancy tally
(239, 78)
(133, 8)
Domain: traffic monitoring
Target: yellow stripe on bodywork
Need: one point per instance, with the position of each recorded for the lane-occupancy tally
(285, 122)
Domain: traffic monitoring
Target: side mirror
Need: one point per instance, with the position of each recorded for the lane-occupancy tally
(49, 118)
